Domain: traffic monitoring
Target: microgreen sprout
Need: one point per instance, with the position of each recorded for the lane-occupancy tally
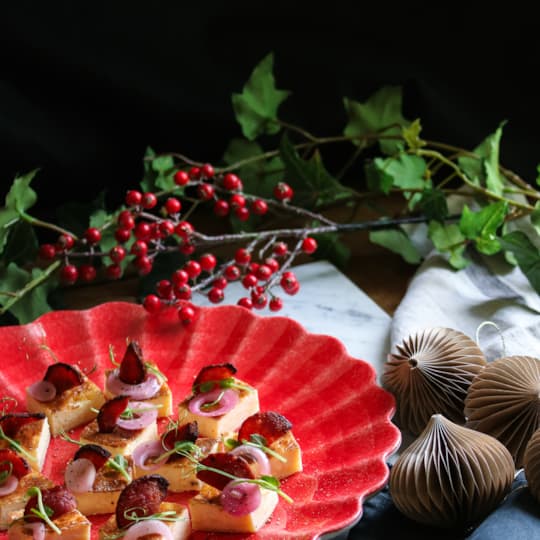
(153, 369)
(42, 511)
(119, 463)
(168, 515)
(229, 382)
(8, 403)
(130, 412)
(216, 401)
(112, 357)
(50, 351)
(66, 437)
(256, 441)
(5, 474)
(16, 446)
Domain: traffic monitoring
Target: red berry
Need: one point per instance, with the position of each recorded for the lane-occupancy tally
(143, 263)
(272, 264)
(259, 207)
(253, 267)
(232, 272)
(221, 208)
(280, 249)
(250, 280)
(288, 282)
(181, 178)
(133, 198)
(143, 230)
(117, 254)
(164, 289)
(87, 273)
(47, 252)
(283, 192)
(179, 278)
(275, 304)
(173, 205)
(184, 229)
(245, 303)
(92, 235)
(122, 235)
(186, 314)
(205, 192)
(187, 248)
(195, 173)
(220, 283)
(183, 292)
(309, 245)
(166, 228)
(231, 182)
(207, 170)
(242, 213)
(139, 248)
(193, 269)
(237, 201)
(208, 262)
(126, 220)
(149, 200)
(69, 274)
(259, 300)
(155, 233)
(114, 271)
(263, 272)
(216, 295)
(152, 303)
(293, 289)
(64, 242)
(242, 256)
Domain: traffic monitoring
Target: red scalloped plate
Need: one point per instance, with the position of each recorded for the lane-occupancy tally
(340, 415)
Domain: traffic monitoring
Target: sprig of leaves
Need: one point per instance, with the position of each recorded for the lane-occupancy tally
(42, 511)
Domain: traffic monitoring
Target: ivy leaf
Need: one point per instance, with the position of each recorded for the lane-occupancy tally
(406, 171)
(411, 135)
(535, 217)
(19, 198)
(377, 114)
(258, 177)
(312, 183)
(33, 303)
(538, 174)
(377, 177)
(447, 238)
(526, 254)
(484, 170)
(256, 107)
(397, 241)
(22, 244)
(331, 248)
(433, 204)
(482, 226)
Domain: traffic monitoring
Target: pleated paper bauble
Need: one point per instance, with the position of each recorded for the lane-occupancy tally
(451, 476)
(431, 373)
(504, 402)
(531, 464)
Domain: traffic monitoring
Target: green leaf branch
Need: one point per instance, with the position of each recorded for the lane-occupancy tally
(429, 178)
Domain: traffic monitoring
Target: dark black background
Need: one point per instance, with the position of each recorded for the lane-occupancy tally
(85, 87)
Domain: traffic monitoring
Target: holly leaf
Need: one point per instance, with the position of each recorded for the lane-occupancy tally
(448, 238)
(484, 170)
(411, 135)
(19, 198)
(433, 204)
(331, 248)
(259, 177)
(381, 113)
(406, 171)
(312, 183)
(398, 242)
(482, 226)
(526, 254)
(34, 303)
(256, 107)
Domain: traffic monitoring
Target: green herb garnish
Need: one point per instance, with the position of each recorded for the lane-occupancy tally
(119, 463)
(229, 382)
(4, 475)
(16, 446)
(42, 511)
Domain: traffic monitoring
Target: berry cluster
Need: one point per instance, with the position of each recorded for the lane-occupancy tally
(152, 223)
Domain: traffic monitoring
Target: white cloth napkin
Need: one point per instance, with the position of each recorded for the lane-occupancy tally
(489, 289)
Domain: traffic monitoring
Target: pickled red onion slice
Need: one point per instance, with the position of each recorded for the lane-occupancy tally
(227, 402)
(9, 485)
(145, 415)
(145, 390)
(240, 498)
(146, 450)
(253, 455)
(152, 526)
(42, 391)
(37, 528)
(80, 475)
